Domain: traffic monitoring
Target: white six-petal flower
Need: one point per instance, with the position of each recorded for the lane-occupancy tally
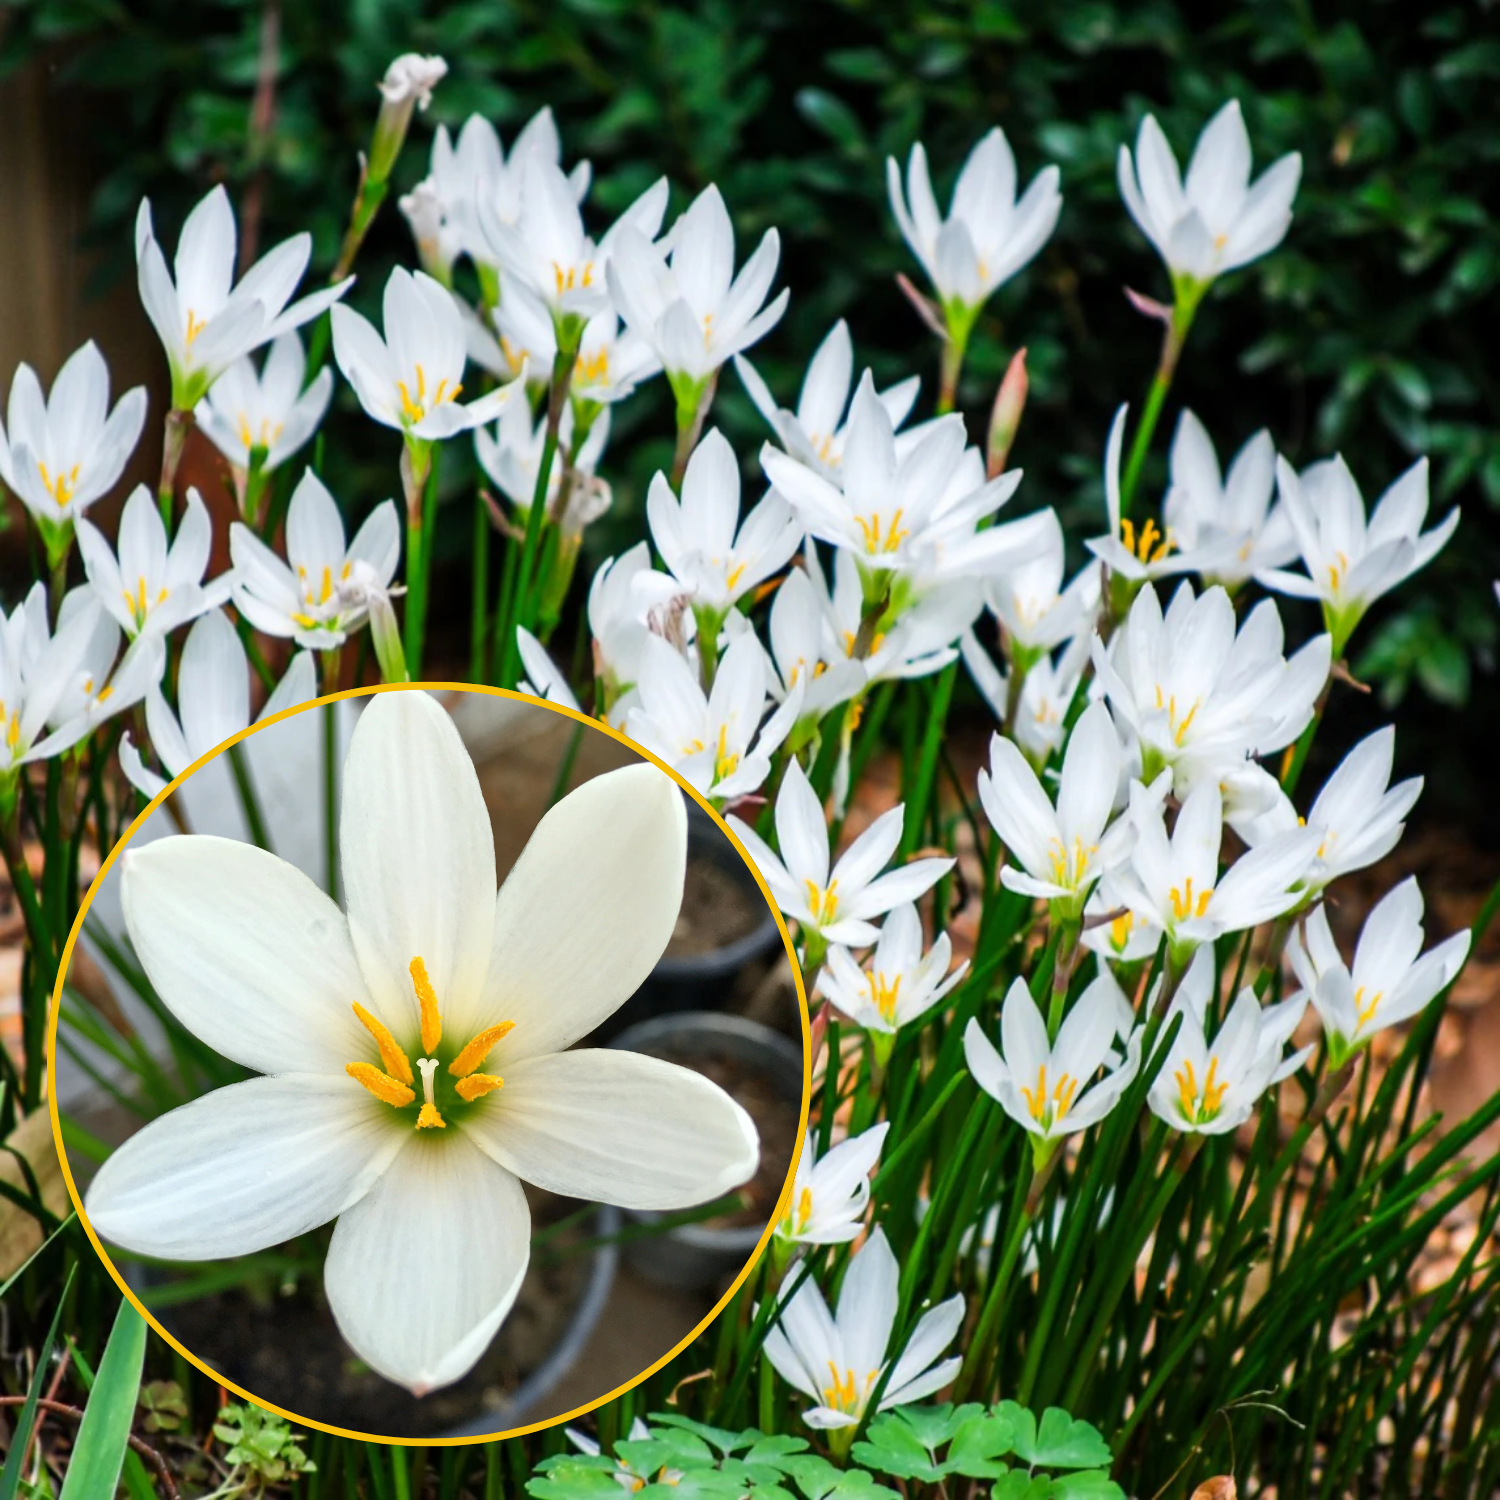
(373, 1030)
(899, 984)
(267, 409)
(830, 1193)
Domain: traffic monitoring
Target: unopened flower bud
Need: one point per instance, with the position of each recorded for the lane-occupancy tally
(1005, 416)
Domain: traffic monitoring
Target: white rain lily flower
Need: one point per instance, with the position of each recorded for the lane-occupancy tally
(546, 248)
(1128, 937)
(412, 378)
(378, 1029)
(1047, 693)
(835, 907)
(38, 668)
(1358, 815)
(63, 451)
(804, 653)
(1062, 850)
(616, 623)
(213, 699)
(1214, 220)
(683, 297)
(919, 643)
(443, 209)
(839, 1361)
(1054, 1089)
(1174, 882)
(1135, 556)
(1211, 1088)
(320, 595)
(896, 509)
(625, 1474)
(988, 235)
(715, 558)
(544, 679)
(511, 454)
(101, 686)
(1225, 525)
(899, 984)
(1199, 691)
(268, 410)
(714, 741)
(204, 320)
(814, 433)
(830, 1194)
(1391, 979)
(150, 586)
(1350, 562)
(611, 361)
(1030, 601)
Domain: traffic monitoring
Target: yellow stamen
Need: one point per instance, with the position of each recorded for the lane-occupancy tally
(884, 993)
(429, 1118)
(869, 529)
(1036, 1103)
(1119, 929)
(804, 1209)
(727, 760)
(195, 326)
(432, 1022)
(479, 1049)
(384, 1087)
(391, 1056)
(13, 731)
(1364, 1010)
(477, 1085)
(1185, 904)
(823, 904)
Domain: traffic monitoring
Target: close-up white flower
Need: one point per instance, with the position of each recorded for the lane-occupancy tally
(103, 682)
(830, 1193)
(60, 452)
(413, 1047)
(266, 410)
(1350, 561)
(319, 595)
(1136, 555)
(838, 1361)
(836, 905)
(411, 378)
(203, 317)
(147, 585)
(989, 234)
(510, 454)
(1390, 979)
(899, 983)
(213, 701)
(1057, 1088)
(1214, 219)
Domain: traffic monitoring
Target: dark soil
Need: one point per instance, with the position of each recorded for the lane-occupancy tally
(718, 908)
(775, 1118)
(287, 1351)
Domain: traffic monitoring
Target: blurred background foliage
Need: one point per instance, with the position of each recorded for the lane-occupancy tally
(1371, 331)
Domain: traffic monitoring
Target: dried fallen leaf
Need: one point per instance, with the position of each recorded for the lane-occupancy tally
(1220, 1487)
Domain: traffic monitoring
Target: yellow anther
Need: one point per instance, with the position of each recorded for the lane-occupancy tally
(13, 731)
(479, 1049)
(823, 904)
(1036, 1103)
(734, 575)
(884, 993)
(726, 761)
(382, 1085)
(1200, 1105)
(591, 369)
(869, 529)
(432, 1022)
(1364, 1010)
(1119, 929)
(477, 1085)
(1185, 904)
(430, 1119)
(391, 1056)
(195, 326)
(60, 486)
(1337, 571)
(804, 1209)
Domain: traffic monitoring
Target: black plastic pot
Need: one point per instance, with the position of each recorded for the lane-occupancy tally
(700, 1255)
(701, 981)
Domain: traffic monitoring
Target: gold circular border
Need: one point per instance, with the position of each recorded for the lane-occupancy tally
(782, 1203)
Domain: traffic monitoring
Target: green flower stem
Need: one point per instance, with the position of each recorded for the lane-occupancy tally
(1188, 296)
(932, 742)
(419, 479)
(691, 414)
(960, 323)
(479, 563)
(174, 439)
(523, 601)
(504, 605)
(1062, 975)
(767, 1395)
(978, 1354)
(330, 727)
(244, 784)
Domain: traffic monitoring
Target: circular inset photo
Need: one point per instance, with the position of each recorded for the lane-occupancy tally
(432, 1063)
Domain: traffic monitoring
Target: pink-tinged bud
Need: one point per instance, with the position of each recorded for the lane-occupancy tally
(1149, 307)
(1005, 416)
(927, 310)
